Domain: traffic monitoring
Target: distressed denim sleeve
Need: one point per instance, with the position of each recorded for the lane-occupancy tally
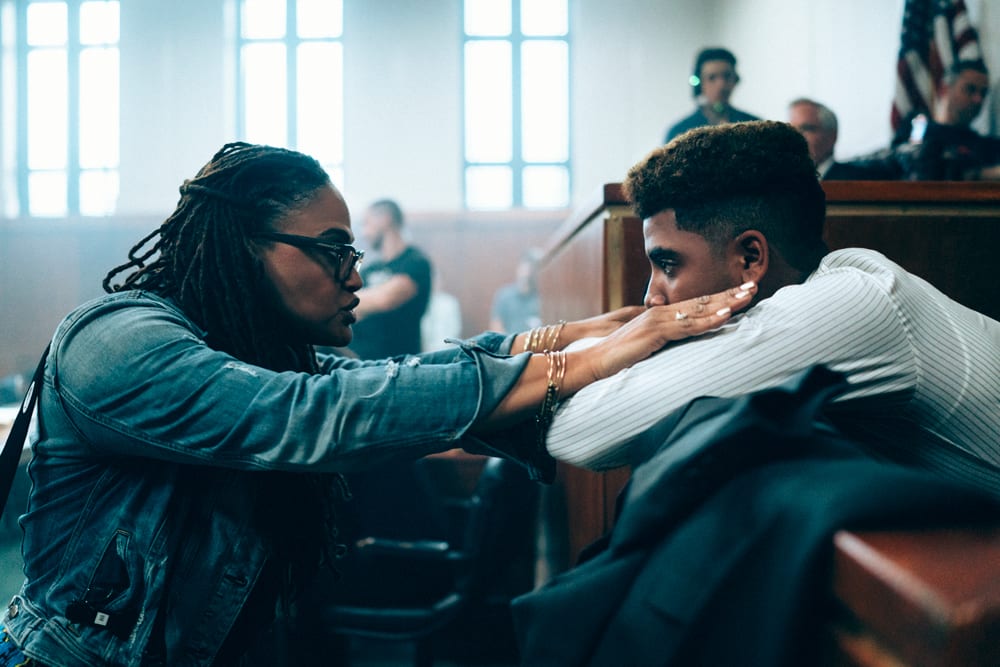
(135, 378)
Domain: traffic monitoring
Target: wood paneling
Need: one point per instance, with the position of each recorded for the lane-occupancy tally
(47, 267)
(946, 233)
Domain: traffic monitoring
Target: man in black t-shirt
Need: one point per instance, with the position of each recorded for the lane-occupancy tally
(397, 287)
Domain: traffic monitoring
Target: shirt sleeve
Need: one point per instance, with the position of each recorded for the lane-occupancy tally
(137, 381)
(844, 319)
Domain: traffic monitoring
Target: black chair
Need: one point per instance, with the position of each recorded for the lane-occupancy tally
(498, 519)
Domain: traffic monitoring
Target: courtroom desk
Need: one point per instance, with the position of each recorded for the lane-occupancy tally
(944, 232)
(918, 598)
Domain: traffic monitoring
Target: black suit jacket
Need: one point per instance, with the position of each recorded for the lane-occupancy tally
(861, 171)
(721, 553)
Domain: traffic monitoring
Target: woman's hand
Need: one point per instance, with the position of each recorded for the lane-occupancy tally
(600, 325)
(637, 333)
(566, 333)
(647, 333)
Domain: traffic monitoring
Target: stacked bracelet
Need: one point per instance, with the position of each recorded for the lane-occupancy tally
(544, 339)
(531, 342)
(556, 373)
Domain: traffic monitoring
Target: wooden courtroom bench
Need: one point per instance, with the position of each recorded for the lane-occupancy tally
(920, 598)
(909, 598)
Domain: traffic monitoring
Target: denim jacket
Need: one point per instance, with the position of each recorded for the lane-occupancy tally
(140, 470)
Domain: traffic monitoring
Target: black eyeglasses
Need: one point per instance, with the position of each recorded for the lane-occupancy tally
(346, 258)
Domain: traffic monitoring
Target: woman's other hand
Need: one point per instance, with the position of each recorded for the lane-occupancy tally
(651, 330)
(637, 333)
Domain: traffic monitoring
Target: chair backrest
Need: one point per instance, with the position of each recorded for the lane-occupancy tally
(500, 512)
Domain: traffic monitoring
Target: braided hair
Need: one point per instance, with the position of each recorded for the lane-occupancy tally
(203, 257)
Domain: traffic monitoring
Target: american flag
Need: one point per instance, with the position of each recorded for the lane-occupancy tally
(936, 33)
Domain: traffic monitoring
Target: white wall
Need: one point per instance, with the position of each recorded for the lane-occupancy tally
(177, 97)
(842, 53)
(630, 64)
(403, 96)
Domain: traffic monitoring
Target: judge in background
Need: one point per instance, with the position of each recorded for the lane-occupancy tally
(712, 83)
(818, 124)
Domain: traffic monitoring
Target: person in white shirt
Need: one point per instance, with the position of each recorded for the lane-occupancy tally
(734, 203)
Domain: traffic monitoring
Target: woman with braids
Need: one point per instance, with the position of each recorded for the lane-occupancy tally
(190, 439)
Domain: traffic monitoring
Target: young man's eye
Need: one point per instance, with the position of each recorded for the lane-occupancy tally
(668, 267)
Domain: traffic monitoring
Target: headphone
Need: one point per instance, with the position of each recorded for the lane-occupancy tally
(705, 55)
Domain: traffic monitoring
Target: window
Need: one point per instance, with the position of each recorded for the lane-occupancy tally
(67, 118)
(291, 77)
(516, 56)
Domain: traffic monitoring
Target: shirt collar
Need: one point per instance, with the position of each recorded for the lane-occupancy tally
(824, 167)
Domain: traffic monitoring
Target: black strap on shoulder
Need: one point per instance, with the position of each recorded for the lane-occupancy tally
(11, 454)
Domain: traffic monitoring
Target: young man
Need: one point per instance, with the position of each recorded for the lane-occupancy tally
(713, 81)
(735, 203)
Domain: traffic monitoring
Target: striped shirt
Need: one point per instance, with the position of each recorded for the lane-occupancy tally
(923, 371)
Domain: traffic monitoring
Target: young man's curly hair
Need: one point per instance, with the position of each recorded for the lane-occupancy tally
(721, 180)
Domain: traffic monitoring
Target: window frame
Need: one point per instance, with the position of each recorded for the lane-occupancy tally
(291, 42)
(73, 170)
(517, 164)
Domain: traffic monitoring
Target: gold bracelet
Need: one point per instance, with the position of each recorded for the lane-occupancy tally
(531, 342)
(558, 360)
(554, 380)
(544, 338)
(555, 331)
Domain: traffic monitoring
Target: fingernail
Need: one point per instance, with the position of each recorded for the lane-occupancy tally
(746, 285)
(723, 311)
(740, 294)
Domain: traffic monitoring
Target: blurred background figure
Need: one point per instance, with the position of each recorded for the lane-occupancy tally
(397, 287)
(12, 388)
(515, 305)
(713, 81)
(945, 147)
(818, 124)
(442, 319)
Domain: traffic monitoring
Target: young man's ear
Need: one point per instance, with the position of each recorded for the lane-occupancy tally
(752, 254)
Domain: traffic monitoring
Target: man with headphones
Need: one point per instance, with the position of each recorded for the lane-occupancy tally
(712, 83)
